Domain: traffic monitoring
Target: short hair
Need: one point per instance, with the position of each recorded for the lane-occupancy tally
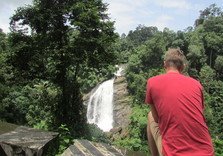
(175, 58)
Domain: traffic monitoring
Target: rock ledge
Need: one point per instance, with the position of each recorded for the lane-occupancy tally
(27, 141)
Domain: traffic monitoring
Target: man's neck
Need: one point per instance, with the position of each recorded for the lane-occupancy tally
(172, 70)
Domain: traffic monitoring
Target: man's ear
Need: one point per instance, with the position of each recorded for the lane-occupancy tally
(164, 64)
(182, 68)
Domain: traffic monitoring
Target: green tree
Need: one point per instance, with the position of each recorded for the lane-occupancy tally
(141, 34)
(216, 105)
(213, 29)
(211, 11)
(145, 61)
(219, 66)
(169, 36)
(62, 37)
(181, 41)
(202, 45)
(4, 76)
(196, 52)
(207, 76)
(2, 41)
(123, 47)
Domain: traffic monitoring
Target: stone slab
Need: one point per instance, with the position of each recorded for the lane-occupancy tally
(26, 141)
(6, 127)
(88, 148)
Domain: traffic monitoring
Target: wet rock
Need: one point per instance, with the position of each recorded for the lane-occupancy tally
(28, 142)
(116, 130)
(122, 109)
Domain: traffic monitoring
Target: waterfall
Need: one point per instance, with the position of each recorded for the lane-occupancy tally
(100, 106)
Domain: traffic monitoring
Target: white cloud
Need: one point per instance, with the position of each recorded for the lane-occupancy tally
(14, 3)
(161, 22)
(178, 4)
(127, 13)
(7, 9)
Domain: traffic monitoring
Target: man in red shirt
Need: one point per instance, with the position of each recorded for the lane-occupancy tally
(176, 123)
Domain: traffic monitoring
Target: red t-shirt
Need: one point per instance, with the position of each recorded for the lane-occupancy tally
(178, 100)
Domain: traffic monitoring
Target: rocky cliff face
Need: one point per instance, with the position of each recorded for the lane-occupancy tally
(122, 109)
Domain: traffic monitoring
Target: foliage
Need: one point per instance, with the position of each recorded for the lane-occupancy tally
(95, 134)
(137, 139)
(203, 47)
(123, 48)
(42, 125)
(55, 46)
(33, 104)
(207, 75)
(141, 34)
(65, 138)
(43, 96)
(216, 105)
(211, 11)
(219, 66)
(15, 105)
(90, 77)
(144, 62)
(218, 144)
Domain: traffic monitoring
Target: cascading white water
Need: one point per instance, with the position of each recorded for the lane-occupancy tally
(119, 72)
(100, 106)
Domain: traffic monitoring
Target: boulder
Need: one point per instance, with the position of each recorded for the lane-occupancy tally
(28, 141)
(116, 130)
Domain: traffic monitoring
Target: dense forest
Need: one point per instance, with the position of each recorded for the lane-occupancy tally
(59, 50)
(202, 44)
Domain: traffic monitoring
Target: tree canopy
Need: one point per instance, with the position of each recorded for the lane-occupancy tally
(52, 42)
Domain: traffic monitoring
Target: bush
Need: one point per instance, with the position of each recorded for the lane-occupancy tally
(95, 134)
(218, 145)
(137, 138)
(65, 138)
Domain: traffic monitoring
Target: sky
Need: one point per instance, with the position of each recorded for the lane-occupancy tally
(128, 14)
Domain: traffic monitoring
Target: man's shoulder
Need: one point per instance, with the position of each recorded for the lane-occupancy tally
(182, 77)
(156, 77)
(191, 79)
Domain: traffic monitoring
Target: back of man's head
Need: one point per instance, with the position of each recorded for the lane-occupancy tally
(174, 58)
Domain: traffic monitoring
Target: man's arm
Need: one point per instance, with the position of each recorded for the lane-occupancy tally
(149, 100)
(154, 113)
